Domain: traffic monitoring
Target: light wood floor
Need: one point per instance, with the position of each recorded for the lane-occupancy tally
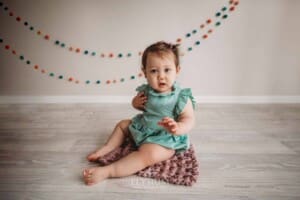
(246, 152)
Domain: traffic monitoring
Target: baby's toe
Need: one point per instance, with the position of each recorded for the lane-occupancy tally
(92, 157)
(84, 173)
(87, 173)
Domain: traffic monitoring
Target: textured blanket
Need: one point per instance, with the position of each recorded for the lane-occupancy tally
(181, 169)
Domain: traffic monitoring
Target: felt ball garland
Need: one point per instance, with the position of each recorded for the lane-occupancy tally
(63, 77)
(220, 15)
(204, 30)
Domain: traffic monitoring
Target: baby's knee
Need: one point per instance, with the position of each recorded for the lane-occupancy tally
(152, 154)
(123, 125)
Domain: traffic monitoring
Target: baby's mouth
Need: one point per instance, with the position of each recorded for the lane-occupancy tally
(162, 84)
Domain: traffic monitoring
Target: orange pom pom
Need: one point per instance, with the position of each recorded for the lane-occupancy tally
(47, 37)
(208, 21)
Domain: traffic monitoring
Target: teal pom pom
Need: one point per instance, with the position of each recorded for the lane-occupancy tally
(225, 16)
(218, 14)
(224, 8)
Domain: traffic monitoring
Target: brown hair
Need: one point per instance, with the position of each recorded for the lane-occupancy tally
(161, 48)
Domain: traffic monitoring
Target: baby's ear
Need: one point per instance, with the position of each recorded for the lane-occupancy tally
(144, 71)
(178, 68)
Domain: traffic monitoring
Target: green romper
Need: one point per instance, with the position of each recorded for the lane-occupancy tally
(144, 127)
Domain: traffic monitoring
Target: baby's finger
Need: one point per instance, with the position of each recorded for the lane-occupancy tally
(167, 122)
(165, 119)
(144, 99)
(161, 123)
(168, 119)
(171, 123)
(142, 94)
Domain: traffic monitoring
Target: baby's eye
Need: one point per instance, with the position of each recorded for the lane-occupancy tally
(152, 71)
(167, 70)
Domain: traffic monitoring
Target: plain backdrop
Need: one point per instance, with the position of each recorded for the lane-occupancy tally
(254, 52)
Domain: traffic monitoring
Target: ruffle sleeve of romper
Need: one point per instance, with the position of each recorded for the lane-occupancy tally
(183, 97)
(141, 88)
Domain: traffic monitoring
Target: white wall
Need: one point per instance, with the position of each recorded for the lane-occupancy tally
(255, 52)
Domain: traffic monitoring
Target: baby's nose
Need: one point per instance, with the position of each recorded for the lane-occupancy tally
(161, 75)
(160, 78)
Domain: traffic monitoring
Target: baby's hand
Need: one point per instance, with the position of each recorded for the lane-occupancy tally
(170, 124)
(139, 101)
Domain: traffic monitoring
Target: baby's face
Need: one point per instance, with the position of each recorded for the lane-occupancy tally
(161, 72)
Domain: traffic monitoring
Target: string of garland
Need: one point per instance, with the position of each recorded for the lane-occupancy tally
(220, 15)
(71, 79)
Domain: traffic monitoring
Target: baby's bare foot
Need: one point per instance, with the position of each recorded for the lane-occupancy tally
(95, 175)
(94, 156)
(99, 153)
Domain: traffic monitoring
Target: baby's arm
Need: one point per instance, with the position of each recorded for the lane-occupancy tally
(139, 101)
(184, 123)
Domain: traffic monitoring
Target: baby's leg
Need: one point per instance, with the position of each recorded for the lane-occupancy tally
(115, 140)
(148, 154)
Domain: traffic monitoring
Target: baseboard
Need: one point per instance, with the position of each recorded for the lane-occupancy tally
(64, 99)
(248, 99)
(127, 99)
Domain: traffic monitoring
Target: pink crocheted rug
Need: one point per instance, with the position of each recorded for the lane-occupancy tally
(181, 169)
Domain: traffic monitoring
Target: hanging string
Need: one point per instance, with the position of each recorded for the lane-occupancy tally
(68, 78)
(215, 22)
(209, 24)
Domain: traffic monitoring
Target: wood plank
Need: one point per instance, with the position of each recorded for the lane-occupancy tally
(245, 152)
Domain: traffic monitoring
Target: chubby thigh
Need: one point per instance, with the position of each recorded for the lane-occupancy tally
(154, 153)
